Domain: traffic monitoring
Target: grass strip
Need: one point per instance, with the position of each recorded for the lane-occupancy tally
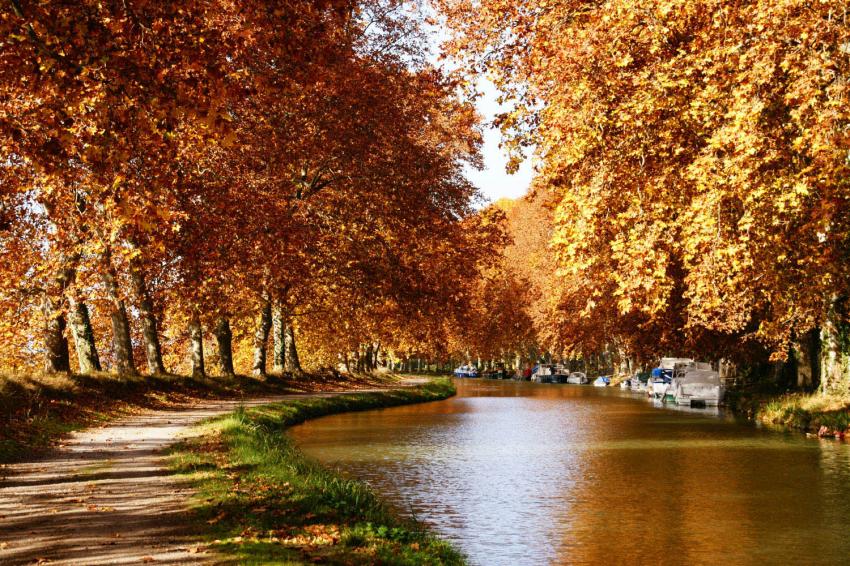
(262, 501)
(815, 413)
(825, 414)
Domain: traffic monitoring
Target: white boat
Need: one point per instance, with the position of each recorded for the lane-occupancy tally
(626, 384)
(638, 384)
(466, 371)
(577, 378)
(656, 387)
(699, 388)
(661, 384)
(543, 373)
(602, 381)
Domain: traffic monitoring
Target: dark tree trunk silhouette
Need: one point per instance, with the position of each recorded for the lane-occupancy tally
(224, 339)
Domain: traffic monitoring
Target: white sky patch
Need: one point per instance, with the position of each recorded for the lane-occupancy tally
(493, 181)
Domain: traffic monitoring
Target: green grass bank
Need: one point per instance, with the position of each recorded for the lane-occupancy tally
(821, 414)
(261, 501)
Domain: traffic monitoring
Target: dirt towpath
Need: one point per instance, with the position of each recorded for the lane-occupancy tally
(107, 496)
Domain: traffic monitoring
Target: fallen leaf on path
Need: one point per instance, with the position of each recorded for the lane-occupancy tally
(4, 545)
(148, 559)
(217, 518)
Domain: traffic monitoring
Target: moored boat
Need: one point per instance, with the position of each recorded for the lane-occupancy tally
(639, 380)
(602, 381)
(466, 371)
(577, 378)
(699, 388)
(543, 373)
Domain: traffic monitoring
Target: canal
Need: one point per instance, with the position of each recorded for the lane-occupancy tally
(520, 473)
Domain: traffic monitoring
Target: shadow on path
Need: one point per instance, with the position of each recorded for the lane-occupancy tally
(107, 496)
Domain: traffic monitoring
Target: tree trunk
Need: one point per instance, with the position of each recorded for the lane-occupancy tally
(196, 348)
(278, 332)
(835, 357)
(57, 358)
(150, 331)
(368, 357)
(81, 330)
(79, 320)
(261, 336)
(807, 350)
(622, 362)
(122, 346)
(224, 339)
(291, 362)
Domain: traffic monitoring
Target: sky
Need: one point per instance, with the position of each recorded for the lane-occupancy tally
(493, 181)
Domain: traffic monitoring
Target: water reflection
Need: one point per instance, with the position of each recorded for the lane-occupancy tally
(519, 473)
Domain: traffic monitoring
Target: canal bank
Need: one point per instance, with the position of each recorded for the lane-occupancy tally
(261, 501)
(825, 415)
(517, 473)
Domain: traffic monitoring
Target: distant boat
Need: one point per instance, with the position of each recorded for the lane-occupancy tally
(466, 371)
(639, 380)
(602, 381)
(577, 378)
(545, 373)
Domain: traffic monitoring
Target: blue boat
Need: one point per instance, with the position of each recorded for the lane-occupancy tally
(603, 381)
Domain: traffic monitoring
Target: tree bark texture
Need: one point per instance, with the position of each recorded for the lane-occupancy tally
(224, 339)
(261, 336)
(57, 358)
(122, 346)
(291, 362)
(808, 350)
(279, 342)
(150, 331)
(835, 350)
(196, 348)
(81, 329)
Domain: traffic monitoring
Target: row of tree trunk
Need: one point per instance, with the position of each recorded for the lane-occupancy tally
(62, 298)
(367, 358)
(275, 320)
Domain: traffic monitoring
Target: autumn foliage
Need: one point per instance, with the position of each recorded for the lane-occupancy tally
(196, 181)
(694, 155)
(204, 180)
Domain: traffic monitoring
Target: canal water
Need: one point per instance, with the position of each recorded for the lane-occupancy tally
(520, 473)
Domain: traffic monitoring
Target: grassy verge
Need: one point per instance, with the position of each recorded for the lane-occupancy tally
(815, 413)
(262, 501)
(37, 411)
(825, 415)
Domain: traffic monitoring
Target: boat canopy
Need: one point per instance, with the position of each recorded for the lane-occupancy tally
(706, 376)
(670, 363)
